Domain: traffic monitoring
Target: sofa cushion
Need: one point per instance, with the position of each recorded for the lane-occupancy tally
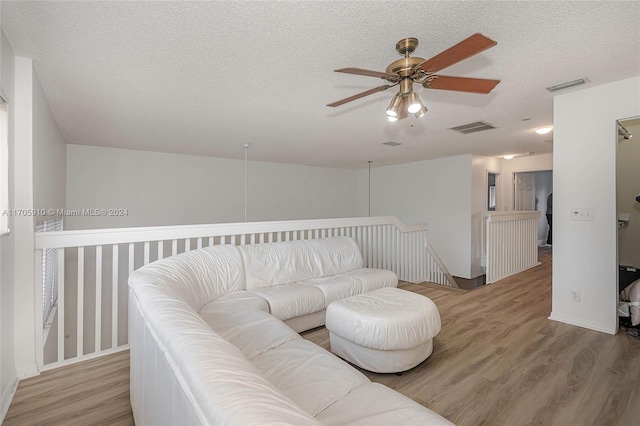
(292, 300)
(335, 255)
(337, 287)
(240, 301)
(272, 264)
(195, 277)
(307, 374)
(375, 404)
(253, 332)
(372, 279)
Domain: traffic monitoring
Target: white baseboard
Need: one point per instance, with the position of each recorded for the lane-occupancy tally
(582, 323)
(542, 242)
(7, 395)
(28, 371)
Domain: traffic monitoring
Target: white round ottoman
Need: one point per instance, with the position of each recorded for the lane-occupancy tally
(388, 330)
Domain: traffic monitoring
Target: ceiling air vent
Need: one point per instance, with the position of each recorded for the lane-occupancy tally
(478, 126)
(391, 143)
(568, 84)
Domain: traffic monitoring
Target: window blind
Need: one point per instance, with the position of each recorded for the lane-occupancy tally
(49, 270)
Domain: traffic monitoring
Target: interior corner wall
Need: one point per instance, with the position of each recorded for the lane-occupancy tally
(8, 376)
(172, 189)
(584, 158)
(480, 168)
(437, 192)
(49, 157)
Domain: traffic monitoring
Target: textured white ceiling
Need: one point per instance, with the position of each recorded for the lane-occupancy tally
(205, 77)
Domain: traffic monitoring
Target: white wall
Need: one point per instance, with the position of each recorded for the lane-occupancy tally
(172, 189)
(24, 226)
(437, 192)
(8, 377)
(49, 156)
(585, 253)
(628, 187)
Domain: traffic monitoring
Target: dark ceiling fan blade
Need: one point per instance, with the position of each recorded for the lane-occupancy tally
(369, 73)
(461, 84)
(463, 50)
(360, 95)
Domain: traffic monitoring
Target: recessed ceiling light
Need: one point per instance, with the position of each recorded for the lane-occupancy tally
(391, 143)
(508, 157)
(544, 130)
(568, 84)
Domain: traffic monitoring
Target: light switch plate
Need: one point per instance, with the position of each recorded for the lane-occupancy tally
(582, 214)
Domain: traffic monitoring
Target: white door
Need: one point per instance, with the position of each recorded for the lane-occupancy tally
(525, 192)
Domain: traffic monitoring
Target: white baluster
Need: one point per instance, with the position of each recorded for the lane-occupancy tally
(145, 259)
(160, 250)
(61, 306)
(98, 321)
(80, 304)
(114, 298)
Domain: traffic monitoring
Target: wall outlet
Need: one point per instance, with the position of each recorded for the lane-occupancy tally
(582, 214)
(575, 295)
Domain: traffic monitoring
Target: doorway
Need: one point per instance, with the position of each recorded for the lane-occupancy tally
(627, 206)
(492, 184)
(531, 193)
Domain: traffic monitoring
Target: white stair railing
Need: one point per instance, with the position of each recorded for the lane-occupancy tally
(511, 243)
(94, 265)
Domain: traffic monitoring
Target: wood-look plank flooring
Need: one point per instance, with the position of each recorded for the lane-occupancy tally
(94, 392)
(497, 361)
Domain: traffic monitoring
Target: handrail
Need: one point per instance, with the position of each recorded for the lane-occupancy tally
(509, 216)
(93, 263)
(91, 237)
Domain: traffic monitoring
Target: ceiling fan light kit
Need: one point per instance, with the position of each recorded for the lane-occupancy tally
(414, 103)
(393, 110)
(422, 111)
(408, 70)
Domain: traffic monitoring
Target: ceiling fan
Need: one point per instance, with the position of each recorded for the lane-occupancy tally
(408, 70)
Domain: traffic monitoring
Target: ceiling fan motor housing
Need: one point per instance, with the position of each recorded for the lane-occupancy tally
(404, 67)
(406, 46)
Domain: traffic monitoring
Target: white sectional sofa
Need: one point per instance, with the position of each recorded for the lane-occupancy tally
(212, 339)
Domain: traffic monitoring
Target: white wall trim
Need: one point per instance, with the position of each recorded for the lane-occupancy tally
(7, 395)
(88, 237)
(579, 322)
(86, 357)
(27, 371)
